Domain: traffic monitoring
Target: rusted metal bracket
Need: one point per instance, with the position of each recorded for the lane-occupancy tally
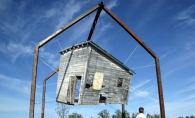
(44, 90)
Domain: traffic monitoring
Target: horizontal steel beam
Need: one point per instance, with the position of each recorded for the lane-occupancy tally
(43, 42)
(44, 90)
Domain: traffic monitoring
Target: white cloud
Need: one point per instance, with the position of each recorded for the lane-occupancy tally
(150, 12)
(14, 50)
(17, 85)
(186, 16)
(144, 94)
(169, 51)
(51, 58)
(187, 98)
(9, 104)
(112, 4)
(67, 13)
(189, 88)
(99, 32)
(4, 4)
(142, 84)
(51, 12)
(179, 108)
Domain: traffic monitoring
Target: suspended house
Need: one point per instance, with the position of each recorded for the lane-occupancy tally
(89, 75)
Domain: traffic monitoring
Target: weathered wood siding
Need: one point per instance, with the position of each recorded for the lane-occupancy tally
(76, 67)
(85, 62)
(113, 94)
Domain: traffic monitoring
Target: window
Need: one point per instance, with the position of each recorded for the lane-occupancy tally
(78, 84)
(120, 82)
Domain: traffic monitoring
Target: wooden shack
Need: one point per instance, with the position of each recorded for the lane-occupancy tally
(91, 75)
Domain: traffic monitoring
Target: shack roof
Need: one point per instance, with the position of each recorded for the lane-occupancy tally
(99, 50)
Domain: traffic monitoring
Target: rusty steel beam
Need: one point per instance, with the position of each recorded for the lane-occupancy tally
(36, 53)
(33, 83)
(126, 28)
(44, 90)
(159, 81)
(43, 42)
(160, 88)
(95, 20)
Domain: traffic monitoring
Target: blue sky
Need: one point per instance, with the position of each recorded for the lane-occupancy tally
(166, 26)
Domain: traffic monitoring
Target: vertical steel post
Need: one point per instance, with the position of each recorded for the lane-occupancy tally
(44, 91)
(33, 83)
(43, 99)
(160, 88)
(123, 111)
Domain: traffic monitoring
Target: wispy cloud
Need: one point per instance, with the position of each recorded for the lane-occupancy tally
(112, 4)
(150, 12)
(100, 31)
(4, 5)
(142, 84)
(10, 104)
(14, 50)
(51, 58)
(186, 16)
(67, 12)
(142, 93)
(187, 98)
(181, 108)
(14, 84)
(168, 52)
(179, 57)
(189, 88)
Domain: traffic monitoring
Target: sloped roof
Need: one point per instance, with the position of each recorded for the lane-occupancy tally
(100, 50)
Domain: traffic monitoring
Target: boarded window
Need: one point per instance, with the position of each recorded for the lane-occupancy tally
(98, 80)
(120, 82)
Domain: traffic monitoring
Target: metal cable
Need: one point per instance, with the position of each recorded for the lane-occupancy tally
(131, 53)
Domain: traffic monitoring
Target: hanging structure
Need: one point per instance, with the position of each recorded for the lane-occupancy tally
(103, 78)
(98, 7)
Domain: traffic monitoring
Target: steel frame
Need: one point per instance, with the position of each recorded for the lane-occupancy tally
(128, 30)
(44, 90)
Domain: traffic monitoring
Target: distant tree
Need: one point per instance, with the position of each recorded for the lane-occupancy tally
(104, 114)
(62, 110)
(180, 117)
(156, 116)
(187, 117)
(149, 116)
(75, 115)
(118, 114)
(192, 116)
(134, 115)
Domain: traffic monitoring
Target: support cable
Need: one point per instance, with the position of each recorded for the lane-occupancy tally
(48, 65)
(143, 66)
(144, 95)
(59, 43)
(131, 54)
